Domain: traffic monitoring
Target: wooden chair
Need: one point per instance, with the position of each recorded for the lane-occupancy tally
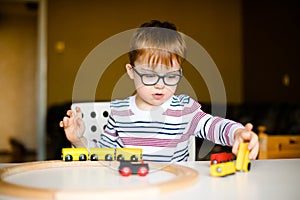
(278, 146)
(95, 116)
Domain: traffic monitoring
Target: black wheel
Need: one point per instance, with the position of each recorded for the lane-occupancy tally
(108, 157)
(120, 157)
(134, 158)
(82, 157)
(68, 157)
(249, 166)
(94, 157)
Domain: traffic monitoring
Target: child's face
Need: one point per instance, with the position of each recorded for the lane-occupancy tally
(150, 94)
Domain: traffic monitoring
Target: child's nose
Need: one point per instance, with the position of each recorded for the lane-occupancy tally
(160, 83)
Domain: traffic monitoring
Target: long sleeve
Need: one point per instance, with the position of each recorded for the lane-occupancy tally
(216, 129)
(110, 136)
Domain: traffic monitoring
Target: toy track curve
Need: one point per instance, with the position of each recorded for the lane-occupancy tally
(184, 177)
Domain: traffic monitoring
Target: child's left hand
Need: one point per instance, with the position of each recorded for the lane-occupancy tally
(246, 135)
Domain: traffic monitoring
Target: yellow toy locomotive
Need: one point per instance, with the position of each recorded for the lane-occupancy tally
(222, 164)
(242, 161)
(106, 154)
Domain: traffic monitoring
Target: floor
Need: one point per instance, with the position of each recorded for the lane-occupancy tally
(18, 153)
(11, 158)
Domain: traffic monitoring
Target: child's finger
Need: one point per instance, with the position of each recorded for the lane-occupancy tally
(65, 121)
(253, 141)
(254, 152)
(78, 112)
(249, 127)
(246, 136)
(70, 113)
(235, 147)
(79, 121)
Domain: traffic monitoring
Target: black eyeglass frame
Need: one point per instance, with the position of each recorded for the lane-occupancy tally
(159, 77)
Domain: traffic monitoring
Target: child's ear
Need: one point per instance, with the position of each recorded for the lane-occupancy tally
(129, 71)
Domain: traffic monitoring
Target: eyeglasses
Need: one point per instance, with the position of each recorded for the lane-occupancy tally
(152, 79)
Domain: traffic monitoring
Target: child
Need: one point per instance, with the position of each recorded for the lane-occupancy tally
(155, 119)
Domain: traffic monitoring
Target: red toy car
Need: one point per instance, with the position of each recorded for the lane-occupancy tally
(220, 157)
(221, 164)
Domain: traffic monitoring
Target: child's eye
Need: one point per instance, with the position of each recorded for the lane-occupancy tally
(172, 76)
(150, 75)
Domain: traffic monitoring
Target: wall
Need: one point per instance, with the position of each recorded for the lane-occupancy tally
(271, 46)
(75, 28)
(17, 74)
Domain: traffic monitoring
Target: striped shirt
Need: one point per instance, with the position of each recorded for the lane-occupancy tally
(164, 132)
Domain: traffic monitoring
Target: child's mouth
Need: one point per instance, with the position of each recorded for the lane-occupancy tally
(157, 96)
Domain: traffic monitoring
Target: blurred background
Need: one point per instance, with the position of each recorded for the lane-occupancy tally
(43, 44)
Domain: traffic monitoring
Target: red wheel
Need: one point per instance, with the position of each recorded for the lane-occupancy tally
(142, 171)
(125, 171)
(214, 162)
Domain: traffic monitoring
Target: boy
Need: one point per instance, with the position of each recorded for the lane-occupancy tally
(155, 119)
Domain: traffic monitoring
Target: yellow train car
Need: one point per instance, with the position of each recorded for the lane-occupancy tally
(222, 169)
(107, 154)
(242, 160)
(74, 154)
(129, 154)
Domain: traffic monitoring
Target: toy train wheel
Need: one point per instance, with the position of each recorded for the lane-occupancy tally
(94, 157)
(134, 158)
(108, 157)
(219, 169)
(249, 166)
(125, 171)
(214, 162)
(82, 157)
(120, 157)
(68, 157)
(142, 171)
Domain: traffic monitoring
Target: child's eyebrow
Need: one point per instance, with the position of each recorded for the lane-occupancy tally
(152, 71)
(147, 69)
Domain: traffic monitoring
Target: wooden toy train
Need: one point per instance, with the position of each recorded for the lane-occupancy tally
(222, 164)
(129, 158)
(106, 154)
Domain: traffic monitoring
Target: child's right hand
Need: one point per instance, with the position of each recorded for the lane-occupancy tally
(74, 127)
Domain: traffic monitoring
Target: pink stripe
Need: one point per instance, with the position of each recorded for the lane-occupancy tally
(211, 134)
(114, 134)
(122, 112)
(185, 111)
(156, 142)
(227, 130)
(195, 122)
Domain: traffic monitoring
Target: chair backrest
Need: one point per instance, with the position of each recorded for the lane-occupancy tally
(192, 149)
(278, 146)
(95, 116)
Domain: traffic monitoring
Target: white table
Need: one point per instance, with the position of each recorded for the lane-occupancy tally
(267, 179)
